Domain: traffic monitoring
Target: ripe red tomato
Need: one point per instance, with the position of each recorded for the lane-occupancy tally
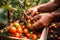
(38, 35)
(19, 30)
(23, 27)
(12, 30)
(36, 13)
(51, 31)
(27, 17)
(34, 37)
(17, 35)
(25, 31)
(58, 38)
(27, 35)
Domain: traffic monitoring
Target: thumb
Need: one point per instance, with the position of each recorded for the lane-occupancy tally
(29, 11)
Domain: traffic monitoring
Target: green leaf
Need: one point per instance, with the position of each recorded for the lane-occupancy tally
(3, 15)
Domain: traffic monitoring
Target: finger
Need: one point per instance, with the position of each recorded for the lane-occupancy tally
(28, 12)
(32, 14)
(44, 21)
(40, 23)
(36, 17)
(37, 26)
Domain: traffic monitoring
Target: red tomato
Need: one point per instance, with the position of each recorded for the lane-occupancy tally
(25, 31)
(52, 31)
(36, 13)
(23, 27)
(38, 35)
(58, 38)
(12, 30)
(19, 30)
(27, 35)
(17, 35)
(27, 17)
(34, 37)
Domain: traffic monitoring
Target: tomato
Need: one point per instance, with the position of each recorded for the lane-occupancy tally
(34, 37)
(19, 30)
(29, 25)
(18, 27)
(17, 35)
(16, 24)
(25, 31)
(38, 35)
(27, 35)
(27, 4)
(58, 38)
(12, 30)
(29, 21)
(36, 13)
(31, 32)
(50, 26)
(27, 17)
(52, 31)
(23, 27)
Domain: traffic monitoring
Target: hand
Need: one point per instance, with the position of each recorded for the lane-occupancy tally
(44, 21)
(31, 11)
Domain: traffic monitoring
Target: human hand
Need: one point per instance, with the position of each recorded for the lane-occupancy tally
(44, 21)
(31, 11)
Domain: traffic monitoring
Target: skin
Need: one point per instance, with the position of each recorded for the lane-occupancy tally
(46, 18)
(47, 7)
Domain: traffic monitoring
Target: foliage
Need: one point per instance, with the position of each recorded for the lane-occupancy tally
(16, 8)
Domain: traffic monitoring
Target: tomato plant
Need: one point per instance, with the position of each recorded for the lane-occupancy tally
(16, 9)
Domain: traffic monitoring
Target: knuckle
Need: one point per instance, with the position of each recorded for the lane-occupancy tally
(42, 24)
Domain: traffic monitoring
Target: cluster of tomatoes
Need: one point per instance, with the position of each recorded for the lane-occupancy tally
(16, 30)
(20, 31)
(54, 33)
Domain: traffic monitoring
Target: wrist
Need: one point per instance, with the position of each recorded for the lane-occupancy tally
(50, 15)
(55, 14)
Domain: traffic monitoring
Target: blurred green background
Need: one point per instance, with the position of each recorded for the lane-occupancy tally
(12, 9)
